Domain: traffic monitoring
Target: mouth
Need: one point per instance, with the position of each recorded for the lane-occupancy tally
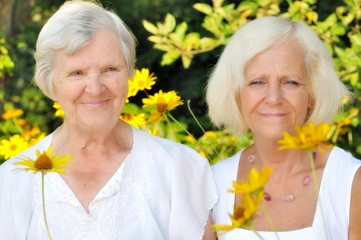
(96, 103)
(273, 115)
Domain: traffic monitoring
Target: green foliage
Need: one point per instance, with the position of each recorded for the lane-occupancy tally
(190, 37)
(340, 30)
(6, 63)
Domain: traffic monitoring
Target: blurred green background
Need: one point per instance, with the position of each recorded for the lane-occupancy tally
(181, 49)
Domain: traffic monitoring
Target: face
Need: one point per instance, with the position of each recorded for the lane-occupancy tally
(91, 86)
(275, 97)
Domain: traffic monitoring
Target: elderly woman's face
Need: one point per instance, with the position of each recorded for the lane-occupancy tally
(275, 97)
(91, 86)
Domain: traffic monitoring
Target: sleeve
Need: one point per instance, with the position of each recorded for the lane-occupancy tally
(16, 190)
(193, 194)
(15, 206)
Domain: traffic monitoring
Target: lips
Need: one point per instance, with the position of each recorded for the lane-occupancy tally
(273, 115)
(96, 103)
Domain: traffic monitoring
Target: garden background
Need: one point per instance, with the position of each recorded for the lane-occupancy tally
(179, 41)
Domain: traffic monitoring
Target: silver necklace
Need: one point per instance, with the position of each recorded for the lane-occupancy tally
(289, 197)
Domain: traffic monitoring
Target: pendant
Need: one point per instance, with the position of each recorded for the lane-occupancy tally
(306, 180)
(267, 197)
(289, 198)
(251, 159)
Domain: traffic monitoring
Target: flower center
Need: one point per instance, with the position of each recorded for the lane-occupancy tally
(13, 147)
(161, 107)
(43, 162)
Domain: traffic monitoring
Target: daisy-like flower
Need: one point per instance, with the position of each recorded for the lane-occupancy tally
(45, 162)
(59, 112)
(12, 113)
(163, 101)
(136, 121)
(307, 137)
(256, 181)
(12, 146)
(242, 215)
(252, 197)
(132, 89)
(141, 81)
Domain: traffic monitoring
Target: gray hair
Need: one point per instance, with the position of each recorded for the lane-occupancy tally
(227, 78)
(70, 28)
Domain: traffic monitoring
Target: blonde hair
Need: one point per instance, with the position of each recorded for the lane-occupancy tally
(227, 78)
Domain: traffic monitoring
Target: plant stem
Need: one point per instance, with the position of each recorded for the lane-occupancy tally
(184, 129)
(269, 220)
(43, 199)
(194, 117)
(315, 180)
(256, 232)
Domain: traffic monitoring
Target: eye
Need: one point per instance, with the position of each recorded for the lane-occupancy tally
(111, 69)
(256, 82)
(292, 82)
(76, 73)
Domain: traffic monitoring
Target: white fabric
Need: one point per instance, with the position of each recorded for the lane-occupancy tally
(163, 190)
(333, 202)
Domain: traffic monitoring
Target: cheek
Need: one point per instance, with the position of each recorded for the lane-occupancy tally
(119, 88)
(64, 93)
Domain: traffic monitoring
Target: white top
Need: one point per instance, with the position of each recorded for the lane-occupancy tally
(333, 202)
(162, 190)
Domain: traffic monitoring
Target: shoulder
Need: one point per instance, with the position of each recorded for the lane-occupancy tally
(225, 172)
(226, 165)
(355, 209)
(342, 161)
(8, 167)
(167, 152)
(165, 147)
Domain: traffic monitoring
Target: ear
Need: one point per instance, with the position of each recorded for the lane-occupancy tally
(311, 102)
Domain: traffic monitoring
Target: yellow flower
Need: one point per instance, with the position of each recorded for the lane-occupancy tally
(256, 181)
(163, 101)
(59, 112)
(244, 214)
(154, 116)
(307, 137)
(132, 90)
(15, 145)
(45, 162)
(33, 141)
(12, 113)
(252, 197)
(141, 81)
(136, 121)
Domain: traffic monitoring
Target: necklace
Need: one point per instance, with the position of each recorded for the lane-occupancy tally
(289, 197)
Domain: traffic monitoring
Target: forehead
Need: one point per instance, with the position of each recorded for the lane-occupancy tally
(284, 54)
(104, 45)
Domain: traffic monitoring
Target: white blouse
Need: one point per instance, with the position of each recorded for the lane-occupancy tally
(331, 219)
(162, 190)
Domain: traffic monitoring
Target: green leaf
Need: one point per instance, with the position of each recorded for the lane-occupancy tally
(181, 29)
(169, 57)
(155, 39)
(203, 8)
(355, 40)
(150, 27)
(170, 22)
(186, 60)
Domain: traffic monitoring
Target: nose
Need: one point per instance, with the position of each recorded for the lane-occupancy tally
(94, 84)
(274, 93)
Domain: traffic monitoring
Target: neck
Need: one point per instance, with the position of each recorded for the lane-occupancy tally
(283, 162)
(78, 140)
